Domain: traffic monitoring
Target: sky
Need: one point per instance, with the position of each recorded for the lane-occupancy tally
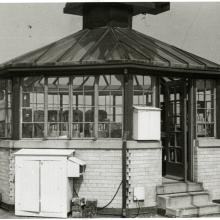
(193, 27)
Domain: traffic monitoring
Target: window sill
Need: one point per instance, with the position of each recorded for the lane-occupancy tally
(207, 142)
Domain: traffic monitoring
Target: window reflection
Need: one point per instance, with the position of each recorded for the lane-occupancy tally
(205, 96)
(83, 107)
(33, 107)
(5, 108)
(67, 107)
(143, 89)
(58, 107)
(110, 106)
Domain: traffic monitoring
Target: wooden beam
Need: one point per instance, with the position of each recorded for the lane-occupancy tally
(96, 109)
(46, 108)
(70, 107)
(191, 133)
(185, 132)
(218, 108)
(128, 106)
(16, 106)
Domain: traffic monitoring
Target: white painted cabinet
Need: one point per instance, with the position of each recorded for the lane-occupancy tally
(27, 185)
(42, 186)
(146, 123)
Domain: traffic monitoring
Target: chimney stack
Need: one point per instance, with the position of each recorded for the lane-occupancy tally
(113, 14)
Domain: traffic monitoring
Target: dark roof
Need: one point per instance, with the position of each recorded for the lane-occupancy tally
(137, 7)
(106, 46)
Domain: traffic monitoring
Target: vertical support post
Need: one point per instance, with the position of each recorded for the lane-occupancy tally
(16, 108)
(20, 110)
(185, 132)
(70, 121)
(190, 129)
(124, 177)
(7, 121)
(96, 107)
(157, 92)
(127, 133)
(217, 107)
(128, 105)
(194, 109)
(45, 107)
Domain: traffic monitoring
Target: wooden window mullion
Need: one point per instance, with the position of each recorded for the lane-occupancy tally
(96, 107)
(218, 107)
(128, 106)
(16, 105)
(6, 108)
(214, 110)
(70, 121)
(46, 108)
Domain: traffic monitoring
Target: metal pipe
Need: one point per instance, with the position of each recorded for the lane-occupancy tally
(124, 177)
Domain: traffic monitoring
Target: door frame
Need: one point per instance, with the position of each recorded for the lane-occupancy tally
(188, 105)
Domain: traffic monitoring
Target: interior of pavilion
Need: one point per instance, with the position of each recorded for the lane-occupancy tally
(89, 106)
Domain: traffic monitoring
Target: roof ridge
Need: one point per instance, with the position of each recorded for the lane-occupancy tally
(105, 32)
(161, 48)
(38, 49)
(136, 50)
(149, 49)
(179, 50)
(70, 48)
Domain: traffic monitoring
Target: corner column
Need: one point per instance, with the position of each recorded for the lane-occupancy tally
(16, 108)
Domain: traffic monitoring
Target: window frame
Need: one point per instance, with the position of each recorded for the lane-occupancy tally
(8, 110)
(152, 90)
(70, 109)
(205, 109)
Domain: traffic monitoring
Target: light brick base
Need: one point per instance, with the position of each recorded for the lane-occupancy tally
(145, 170)
(207, 165)
(7, 175)
(103, 172)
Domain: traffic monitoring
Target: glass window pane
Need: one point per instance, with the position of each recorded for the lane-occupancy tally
(58, 107)
(27, 130)
(33, 107)
(200, 85)
(83, 106)
(103, 130)
(116, 130)
(205, 108)
(143, 92)
(110, 105)
(59, 130)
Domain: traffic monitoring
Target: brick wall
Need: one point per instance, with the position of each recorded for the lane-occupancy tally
(103, 170)
(6, 175)
(207, 165)
(102, 177)
(145, 171)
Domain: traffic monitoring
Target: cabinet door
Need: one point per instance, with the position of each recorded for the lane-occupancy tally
(27, 185)
(53, 186)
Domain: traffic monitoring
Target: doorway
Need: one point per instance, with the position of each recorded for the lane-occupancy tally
(174, 128)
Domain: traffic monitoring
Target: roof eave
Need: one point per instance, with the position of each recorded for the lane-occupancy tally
(89, 68)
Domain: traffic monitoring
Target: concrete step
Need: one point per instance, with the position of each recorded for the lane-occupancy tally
(210, 209)
(179, 200)
(179, 187)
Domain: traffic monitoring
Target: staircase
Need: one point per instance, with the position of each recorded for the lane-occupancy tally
(185, 199)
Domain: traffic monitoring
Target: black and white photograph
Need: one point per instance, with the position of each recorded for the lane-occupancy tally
(109, 109)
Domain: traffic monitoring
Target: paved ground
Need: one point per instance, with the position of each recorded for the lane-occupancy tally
(10, 215)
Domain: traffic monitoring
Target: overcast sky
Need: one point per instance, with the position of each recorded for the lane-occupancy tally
(194, 27)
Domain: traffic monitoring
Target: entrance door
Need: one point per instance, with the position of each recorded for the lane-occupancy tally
(175, 125)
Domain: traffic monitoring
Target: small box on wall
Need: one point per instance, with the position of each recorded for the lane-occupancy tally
(146, 123)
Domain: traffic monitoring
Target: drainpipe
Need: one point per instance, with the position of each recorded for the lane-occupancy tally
(124, 143)
(124, 175)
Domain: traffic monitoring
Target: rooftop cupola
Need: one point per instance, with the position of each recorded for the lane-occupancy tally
(113, 14)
